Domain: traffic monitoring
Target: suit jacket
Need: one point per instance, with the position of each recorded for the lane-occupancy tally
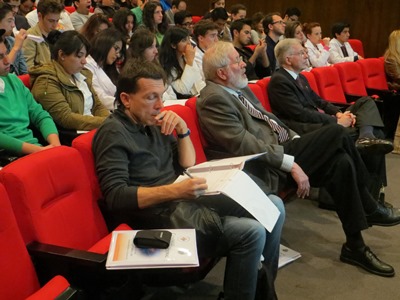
(231, 131)
(298, 107)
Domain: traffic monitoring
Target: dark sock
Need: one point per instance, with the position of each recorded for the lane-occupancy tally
(366, 132)
(355, 241)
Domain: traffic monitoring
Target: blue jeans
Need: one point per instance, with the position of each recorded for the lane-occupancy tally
(243, 242)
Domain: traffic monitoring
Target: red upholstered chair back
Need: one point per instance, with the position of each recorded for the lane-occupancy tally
(83, 143)
(17, 275)
(25, 78)
(373, 71)
(357, 46)
(351, 77)
(191, 103)
(311, 81)
(258, 92)
(191, 121)
(263, 83)
(70, 9)
(329, 85)
(196, 19)
(51, 194)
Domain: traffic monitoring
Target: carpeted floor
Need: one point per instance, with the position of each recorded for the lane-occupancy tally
(319, 274)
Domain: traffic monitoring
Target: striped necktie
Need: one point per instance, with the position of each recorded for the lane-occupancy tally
(283, 135)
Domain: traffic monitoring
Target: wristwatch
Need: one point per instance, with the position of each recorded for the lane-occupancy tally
(181, 136)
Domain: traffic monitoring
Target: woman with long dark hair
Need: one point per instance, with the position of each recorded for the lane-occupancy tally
(107, 47)
(154, 20)
(177, 58)
(124, 20)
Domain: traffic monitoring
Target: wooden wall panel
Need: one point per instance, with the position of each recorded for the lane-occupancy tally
(371, 20)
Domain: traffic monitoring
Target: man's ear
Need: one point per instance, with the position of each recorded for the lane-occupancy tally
(221, 73)
(125, 100)
(235, 33)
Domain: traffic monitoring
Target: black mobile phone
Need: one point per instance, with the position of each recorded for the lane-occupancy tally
(159, 239)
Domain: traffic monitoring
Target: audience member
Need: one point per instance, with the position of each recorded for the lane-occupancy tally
(81, 14)
(177, 59)
(15, 57)
(301, 109)
(106, 48)
(64, 22)
(124, 22)
(143, 45)
(106, 7)
(206, 35)
(176, 6)
(234, 123)
(256, 61)
(291, 14)
(219, 16)
(138, 11)
(294, 30)
(25, 7)
(340, 49)
(184, 19)
(274, 28)
(18, 110)
(137, 161)
(216, 3)
(94, 25)
(154, 20)
(20, 21)
(257, 31)
(64, 87)
(37, 52)
(318, 48)
(391, 102)
(238, 11)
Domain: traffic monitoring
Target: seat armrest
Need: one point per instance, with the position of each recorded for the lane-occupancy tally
(352, 98)
(66, 255)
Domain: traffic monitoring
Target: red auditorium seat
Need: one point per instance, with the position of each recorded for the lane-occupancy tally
(191, 103)
(25, 78)
(357, 46)
(329, 85)
(352, 81)
(196, 19)
(263, 83)
(311, 81)
(18, 276)
(374, 76)
(70, 9)
(258, 92)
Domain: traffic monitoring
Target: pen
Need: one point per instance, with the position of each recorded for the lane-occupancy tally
(187, 173)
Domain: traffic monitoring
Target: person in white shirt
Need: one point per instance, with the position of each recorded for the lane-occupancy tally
(81, 14)
(206, 35)
(177, 59)
(64, 23)
(340, 49)
(318, 47)
(107, 47)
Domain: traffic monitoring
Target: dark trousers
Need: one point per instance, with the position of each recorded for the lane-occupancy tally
(329, 158)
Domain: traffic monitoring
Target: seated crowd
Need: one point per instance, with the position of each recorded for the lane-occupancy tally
(90, 72)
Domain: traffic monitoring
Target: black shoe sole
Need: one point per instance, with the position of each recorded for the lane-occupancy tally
(375, 149)
(383, 224)
(358, 264)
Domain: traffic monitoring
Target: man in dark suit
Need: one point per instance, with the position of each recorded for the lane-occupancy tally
(299, 107)
(234, 123)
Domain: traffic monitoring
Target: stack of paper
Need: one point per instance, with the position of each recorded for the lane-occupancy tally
(182, 252)
(287, 255)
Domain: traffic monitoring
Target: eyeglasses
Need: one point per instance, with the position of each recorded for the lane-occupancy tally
(280, 22)
(300, 53)
(188, 24)
(237, 61)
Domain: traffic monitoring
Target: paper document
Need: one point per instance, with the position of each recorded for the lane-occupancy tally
(225, 176)
(182, 251)
(35, 38)
(287, 255)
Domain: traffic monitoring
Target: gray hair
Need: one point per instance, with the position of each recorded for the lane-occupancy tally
(216, 57)
(283, 48)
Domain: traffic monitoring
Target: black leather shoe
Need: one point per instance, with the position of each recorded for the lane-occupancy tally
(367, 260)
(384, 216)
(374, 146)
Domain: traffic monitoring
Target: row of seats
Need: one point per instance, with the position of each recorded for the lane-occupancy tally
(341, 83)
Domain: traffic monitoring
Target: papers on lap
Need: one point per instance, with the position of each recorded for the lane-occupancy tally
(123, 254)
(226, 176)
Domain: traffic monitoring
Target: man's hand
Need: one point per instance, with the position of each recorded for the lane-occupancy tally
(169, 120)
(303, 184)
(346, 119)
(261, 47)
(20, 38)
(191, 188)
